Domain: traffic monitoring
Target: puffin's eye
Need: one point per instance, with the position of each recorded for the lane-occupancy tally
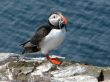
(54, 16)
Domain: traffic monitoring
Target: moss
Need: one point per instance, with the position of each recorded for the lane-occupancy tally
(22, 64)
(67, 63)
(106, 73)
(53, 68)
(2, 71)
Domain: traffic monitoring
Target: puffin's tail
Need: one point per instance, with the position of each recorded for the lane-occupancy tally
(28, 47)
(23, 44)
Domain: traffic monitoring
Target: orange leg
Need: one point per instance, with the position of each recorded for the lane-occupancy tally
(54, 60)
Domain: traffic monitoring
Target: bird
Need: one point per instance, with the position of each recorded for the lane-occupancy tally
(101, 76)
(48, 37)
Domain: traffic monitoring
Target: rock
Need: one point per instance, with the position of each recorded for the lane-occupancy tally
(8, 57)
(9, 81)
(69, 71)
(37, 78)
(78, 78)
(41, 70)
(105, 81)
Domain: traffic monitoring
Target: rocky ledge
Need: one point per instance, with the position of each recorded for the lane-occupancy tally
(13, 68)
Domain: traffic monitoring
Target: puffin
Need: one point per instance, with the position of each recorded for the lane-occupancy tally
(48, 37)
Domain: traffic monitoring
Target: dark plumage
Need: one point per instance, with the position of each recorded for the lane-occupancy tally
(33, 44)
(40, 34)
(101, 76)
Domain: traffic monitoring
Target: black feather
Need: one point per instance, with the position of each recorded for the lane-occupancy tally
(33, 44)
(101, 76)
(40, 34)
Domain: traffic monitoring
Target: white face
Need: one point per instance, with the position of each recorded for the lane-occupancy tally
(54, 19)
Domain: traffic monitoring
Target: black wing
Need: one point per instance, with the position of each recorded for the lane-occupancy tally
(33, 44)
(40, 34)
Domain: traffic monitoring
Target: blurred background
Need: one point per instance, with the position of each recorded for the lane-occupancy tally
(88, 37)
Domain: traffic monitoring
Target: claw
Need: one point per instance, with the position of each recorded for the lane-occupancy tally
(54, 60)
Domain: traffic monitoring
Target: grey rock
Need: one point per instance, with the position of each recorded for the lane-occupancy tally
(41, 70)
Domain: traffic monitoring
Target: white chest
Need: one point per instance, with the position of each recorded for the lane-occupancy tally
(52, 40)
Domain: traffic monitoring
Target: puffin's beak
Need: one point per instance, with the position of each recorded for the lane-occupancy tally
(65, 21)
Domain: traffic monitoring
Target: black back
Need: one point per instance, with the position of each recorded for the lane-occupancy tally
(33, 44)
(40, 34)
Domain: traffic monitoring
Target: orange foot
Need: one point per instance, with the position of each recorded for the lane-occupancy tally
(54, 60)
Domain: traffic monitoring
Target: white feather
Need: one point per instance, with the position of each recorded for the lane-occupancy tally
(52, 40)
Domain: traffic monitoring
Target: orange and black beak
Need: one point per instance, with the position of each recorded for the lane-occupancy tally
(65, 21)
